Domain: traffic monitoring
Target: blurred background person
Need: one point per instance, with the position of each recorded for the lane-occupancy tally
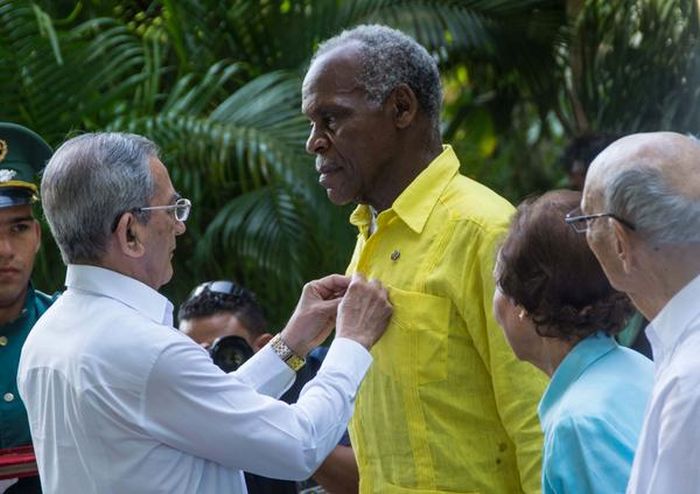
(215, 309)
(579, 153)
(226, 318)
(559, 313)
(22, 155)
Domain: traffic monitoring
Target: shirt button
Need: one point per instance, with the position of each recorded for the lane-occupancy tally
(3, 340)
(8, 397)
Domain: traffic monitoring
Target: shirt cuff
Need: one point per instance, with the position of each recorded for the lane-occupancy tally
(267, 373)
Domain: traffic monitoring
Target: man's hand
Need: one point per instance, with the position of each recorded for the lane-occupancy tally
(364, 313)
(315, 314)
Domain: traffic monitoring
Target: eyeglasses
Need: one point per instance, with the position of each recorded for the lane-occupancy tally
(580, 223)
(181, 209)
(222, 286)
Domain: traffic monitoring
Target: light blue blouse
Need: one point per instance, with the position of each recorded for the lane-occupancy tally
(591, 414)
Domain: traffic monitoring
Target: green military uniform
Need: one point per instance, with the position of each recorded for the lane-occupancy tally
(14, 428)
(22, 155)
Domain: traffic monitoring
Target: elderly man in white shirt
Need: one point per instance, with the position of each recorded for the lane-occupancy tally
(641, 213)
(121, 402)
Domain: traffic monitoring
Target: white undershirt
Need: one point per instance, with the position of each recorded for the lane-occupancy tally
(372, 220)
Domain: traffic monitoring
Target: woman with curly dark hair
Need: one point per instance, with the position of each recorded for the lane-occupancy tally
(559, 312)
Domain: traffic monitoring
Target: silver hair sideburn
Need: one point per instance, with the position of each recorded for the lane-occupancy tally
(389, 58)
(88, 182)
(642, 196)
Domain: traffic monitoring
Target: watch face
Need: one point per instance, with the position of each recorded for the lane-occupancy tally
(230, 352)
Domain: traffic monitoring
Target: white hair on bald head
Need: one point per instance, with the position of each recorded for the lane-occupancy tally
(642, 196)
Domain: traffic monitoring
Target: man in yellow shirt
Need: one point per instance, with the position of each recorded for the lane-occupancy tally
(446, 407)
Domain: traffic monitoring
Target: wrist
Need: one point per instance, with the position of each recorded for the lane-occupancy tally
(295, 341)
(288, 355)
(365, 342)
(357, 337)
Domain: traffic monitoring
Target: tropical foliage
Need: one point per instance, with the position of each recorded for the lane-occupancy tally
(216, 85)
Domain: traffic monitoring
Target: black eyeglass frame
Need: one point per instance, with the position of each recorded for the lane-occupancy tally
(575, 220)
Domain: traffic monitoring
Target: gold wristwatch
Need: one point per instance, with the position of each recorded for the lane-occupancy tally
(294, 361)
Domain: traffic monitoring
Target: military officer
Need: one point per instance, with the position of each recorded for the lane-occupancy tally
(22, 155)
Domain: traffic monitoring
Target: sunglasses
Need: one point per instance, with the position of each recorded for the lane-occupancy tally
(222, 286)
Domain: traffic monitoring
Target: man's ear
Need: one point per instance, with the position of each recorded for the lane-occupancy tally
(128, 234)
(624, 246)
(404, 104)
(261, 341)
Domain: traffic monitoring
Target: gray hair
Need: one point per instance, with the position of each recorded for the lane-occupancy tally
(389, 58)
(88, 183)
(642, 196)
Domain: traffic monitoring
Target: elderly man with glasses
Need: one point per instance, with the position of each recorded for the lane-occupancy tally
(641, 214)
(118, 399)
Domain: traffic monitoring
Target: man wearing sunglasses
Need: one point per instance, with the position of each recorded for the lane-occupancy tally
(216, 309)
(641, 216)
(118, 399)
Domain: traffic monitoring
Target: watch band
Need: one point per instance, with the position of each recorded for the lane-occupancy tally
(294, 361)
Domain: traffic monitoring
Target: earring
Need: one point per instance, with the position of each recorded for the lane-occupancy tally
(521, 316)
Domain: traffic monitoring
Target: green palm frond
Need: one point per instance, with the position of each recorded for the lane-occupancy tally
(254, 135)
(266, 239)
(283, 34)
(60, 80)
(647, 54)
(216, 85)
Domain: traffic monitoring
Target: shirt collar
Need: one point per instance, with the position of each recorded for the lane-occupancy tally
(417, 201)
(669, 326)
(581, 356)
(127, 290)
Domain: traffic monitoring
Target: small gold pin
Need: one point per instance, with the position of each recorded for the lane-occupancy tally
(395, 255)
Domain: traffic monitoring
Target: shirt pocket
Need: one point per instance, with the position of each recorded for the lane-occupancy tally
(414, 347)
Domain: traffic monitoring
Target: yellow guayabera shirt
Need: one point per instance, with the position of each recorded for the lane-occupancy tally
(446, 407)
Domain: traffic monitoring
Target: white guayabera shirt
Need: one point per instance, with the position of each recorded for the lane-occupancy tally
(668, 455)
(119, 401)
